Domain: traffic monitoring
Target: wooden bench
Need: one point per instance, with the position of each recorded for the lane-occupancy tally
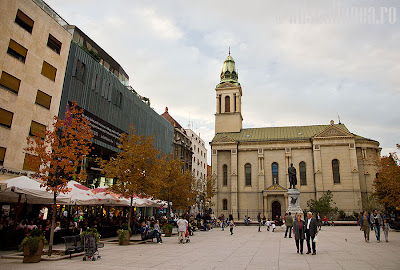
(72, 245)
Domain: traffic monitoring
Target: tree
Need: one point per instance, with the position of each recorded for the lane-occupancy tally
(137, 168)
(387, 182)
(57, 155)
(177, 186)
(371, 202)
(323, 205)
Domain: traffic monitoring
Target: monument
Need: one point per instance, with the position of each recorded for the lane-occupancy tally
(293, 193)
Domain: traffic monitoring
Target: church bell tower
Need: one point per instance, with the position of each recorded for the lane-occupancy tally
(228, 117)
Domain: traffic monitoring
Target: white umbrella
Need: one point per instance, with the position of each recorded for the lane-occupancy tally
(80, 195)
(30, 190)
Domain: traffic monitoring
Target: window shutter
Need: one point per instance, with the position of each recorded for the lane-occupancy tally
(37, 129)
(18, 48)
(10, 82)
(6, 117)
(43, 99)
(2, 154)
(25, 18)
(49, 71)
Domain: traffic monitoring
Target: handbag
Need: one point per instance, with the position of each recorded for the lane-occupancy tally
(315, 239)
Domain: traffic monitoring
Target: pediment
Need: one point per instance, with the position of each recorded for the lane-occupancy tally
(275, 187)
(333, 131)
(224, 139)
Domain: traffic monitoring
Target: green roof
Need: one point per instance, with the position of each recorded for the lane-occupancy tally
(279, 133)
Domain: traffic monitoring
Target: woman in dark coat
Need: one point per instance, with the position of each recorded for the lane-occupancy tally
(298, 231)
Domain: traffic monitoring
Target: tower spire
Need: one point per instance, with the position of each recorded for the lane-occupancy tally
(229, 50)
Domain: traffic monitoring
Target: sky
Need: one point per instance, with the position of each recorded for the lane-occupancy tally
(299, 62)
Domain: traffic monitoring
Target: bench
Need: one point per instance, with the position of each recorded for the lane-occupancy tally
(72, 244)
(148, 236)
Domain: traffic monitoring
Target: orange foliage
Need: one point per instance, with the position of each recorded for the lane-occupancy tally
(387, 183)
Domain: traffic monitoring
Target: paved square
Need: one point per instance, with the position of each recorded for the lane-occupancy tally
(245, 249)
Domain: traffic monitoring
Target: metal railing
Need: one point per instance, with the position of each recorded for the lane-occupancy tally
(46, 8)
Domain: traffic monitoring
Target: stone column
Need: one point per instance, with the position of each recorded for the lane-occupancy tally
(214, 173)
(218, 103)
(234, 184)
(318, 179)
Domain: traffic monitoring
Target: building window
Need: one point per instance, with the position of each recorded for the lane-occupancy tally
(80, 73)
(17, 51)
(37, 130)
(2, 155)
(54, 44)
(43, 99)
(6, 118)
(49, 71)
(335, 170)
(27, 165)
(224, 204)
(224, 175)
(10, 82)
(24, 21)
(275, 173)
(119, 99)
(303, 174)
(247, 170)
(227, 104)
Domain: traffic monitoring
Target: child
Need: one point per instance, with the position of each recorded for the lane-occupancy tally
(386, 228)
(273, 226)
(268, 224)
(231, 225)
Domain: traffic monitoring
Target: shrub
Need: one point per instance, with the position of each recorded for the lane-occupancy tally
(32, 241)
(88, 231)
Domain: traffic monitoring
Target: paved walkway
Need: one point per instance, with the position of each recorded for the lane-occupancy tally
(338, 248)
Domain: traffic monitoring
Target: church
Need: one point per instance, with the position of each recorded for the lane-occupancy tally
(250, 165)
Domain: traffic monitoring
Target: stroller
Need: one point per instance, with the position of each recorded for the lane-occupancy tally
(91, 247)
(187, 236)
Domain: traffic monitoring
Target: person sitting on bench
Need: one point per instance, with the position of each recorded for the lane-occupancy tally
(149, 234)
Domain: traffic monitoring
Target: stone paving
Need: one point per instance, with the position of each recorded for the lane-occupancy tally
(338, 248)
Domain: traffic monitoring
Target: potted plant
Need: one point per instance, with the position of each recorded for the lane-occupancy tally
(124, 235)
(88, 231)
(32, 246)
(167, 229)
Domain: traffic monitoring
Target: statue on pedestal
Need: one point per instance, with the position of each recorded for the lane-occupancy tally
(292, 176)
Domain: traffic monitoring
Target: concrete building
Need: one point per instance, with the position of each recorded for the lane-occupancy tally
(251, 165)
(183, 149)
(199, 157)
(34, 49)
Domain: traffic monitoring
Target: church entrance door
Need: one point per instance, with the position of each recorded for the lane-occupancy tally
(276, 209)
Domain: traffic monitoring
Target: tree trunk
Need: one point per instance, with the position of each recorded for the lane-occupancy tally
(130, 213)
(53, 223)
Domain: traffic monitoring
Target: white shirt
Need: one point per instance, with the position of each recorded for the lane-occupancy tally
(308, 223)
(182, 225)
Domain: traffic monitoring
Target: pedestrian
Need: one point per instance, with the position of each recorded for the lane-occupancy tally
(230, 217)
(311, 233)
(231, 225)
(158, 229)
(259, 221)
(298, 232)
(365, 225)
(376, 221)
(319, 221)
(182, 227)
(264, 219)
(289, 224)
(386, 228)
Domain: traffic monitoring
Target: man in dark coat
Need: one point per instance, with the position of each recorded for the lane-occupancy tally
(311, 233)
(292, 176)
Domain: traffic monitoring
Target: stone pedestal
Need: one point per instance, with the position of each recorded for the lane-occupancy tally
(294, 202)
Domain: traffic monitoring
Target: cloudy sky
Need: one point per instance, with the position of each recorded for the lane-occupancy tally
(299, 62)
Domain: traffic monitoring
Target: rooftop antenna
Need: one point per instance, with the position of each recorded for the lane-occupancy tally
(338, 118)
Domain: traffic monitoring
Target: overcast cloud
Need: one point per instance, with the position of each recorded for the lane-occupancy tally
(291, 72)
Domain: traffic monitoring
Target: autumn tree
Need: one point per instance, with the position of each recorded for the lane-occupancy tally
(323, 205)
(177, 186)
(57, 154)
(387, 182)
(137, 167)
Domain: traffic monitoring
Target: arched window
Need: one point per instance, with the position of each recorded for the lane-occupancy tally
(224, 204)
(336, 171)
(303, 174)
(224, 175)
(227, 104)
(247, 171)
(275, 173)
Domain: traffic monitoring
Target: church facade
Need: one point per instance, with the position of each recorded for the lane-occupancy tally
(251, 165)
